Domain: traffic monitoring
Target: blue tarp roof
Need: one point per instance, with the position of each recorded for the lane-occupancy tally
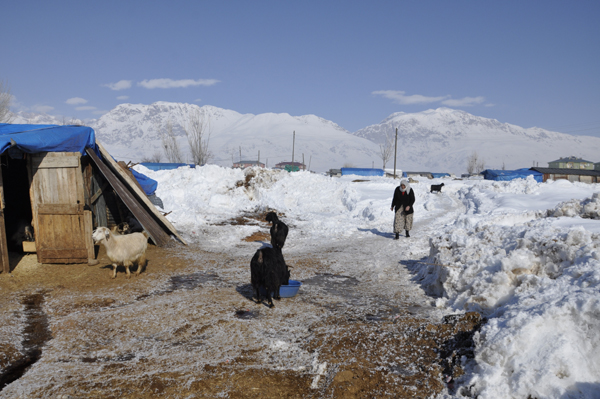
(505, 175)
(165, 165)
(56, 138)
(437, 175)
(51, 138)
(362, 172)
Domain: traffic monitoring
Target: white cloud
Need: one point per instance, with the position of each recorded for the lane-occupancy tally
(463, 102)
(170, 83)
(198, 100)
(122, 97)
(400, 97)
(86, 108)
(120, 85)
(44, 109)
(76, 101)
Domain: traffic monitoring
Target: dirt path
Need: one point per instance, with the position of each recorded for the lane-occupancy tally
(187, 327)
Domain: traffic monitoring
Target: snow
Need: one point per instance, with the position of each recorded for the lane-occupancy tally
(526, 255)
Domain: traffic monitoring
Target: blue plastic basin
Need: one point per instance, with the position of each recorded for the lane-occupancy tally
(290, 290)
(286, 291)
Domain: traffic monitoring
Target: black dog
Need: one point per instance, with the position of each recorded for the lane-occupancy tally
(436, 188)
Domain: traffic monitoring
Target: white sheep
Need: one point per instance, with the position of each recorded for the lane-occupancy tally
(123, 249)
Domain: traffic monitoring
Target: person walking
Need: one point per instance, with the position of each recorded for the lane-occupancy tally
(402, 204)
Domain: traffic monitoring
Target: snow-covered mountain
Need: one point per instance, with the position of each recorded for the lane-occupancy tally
(34, 118)
(437, 140)
(134, 131)
(443, 139)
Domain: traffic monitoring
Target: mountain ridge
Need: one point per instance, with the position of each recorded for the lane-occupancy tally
(435, 140)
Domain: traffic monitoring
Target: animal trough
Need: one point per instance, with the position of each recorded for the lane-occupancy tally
(286, 291)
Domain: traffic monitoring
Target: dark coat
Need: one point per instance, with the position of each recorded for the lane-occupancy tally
(403, 199)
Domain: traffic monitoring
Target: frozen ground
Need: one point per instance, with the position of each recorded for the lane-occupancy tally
(369, 318)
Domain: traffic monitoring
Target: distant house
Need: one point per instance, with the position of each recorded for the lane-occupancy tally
(571, 163)
(572, 175)
(248, 164)
(334, 172)
(290, 166)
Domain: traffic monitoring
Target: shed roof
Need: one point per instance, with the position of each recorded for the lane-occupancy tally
(250, 162)
(51, 138)
(565, 171)
(570, 159)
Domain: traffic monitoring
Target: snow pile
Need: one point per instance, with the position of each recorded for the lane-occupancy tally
(588, 208)
(538, 284)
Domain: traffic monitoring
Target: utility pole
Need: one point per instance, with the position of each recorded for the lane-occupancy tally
(259, 157)
(303, 159)
(240, 153)
(395, 152)
(293, 147)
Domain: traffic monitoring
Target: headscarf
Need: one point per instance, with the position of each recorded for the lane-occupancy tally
(406, 185)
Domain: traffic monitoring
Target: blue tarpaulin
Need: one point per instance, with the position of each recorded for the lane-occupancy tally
(165, 165)
(438, 175)
(362, 172)
(52, 138)
(56, 138)
(505, 175)
(148, 185)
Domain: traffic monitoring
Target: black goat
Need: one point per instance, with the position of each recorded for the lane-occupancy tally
(279, 230)
(268, 271)
(436, 188)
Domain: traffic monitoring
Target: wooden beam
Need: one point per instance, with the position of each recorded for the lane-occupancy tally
(139, 193)
(98, 193)
(156, 232)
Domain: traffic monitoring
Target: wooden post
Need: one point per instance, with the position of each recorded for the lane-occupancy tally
(4, 263)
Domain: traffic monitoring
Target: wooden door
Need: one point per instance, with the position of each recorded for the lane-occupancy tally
(62, 228)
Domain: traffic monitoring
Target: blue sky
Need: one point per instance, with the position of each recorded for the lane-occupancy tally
(529, 63)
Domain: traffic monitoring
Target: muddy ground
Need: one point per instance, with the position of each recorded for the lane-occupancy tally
(187, 327)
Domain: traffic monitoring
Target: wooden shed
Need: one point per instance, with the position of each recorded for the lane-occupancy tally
(573, 175)
(51, 180)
